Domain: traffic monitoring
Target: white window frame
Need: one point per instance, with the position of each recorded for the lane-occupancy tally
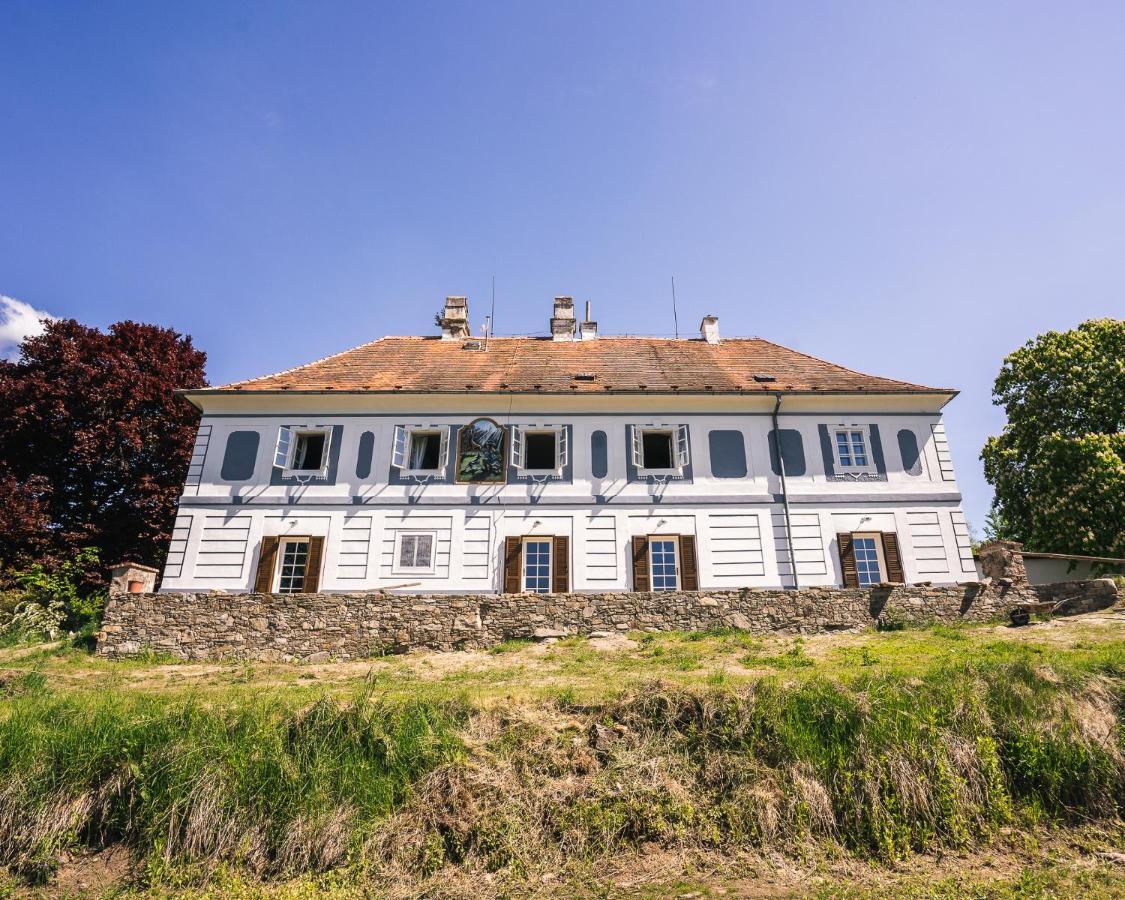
(842, 469)
(396, 566)
(681, 448)
(286, 450)
(519, 447)
(400, 448)
(540, 539)
(675, 539)
(877, 536)
(281, 545)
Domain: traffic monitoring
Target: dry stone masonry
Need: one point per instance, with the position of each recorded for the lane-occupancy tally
(317, 627)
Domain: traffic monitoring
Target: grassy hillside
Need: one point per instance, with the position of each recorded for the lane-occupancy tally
(569, 767)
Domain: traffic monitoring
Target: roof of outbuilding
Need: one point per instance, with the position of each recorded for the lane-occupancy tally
(541, 365)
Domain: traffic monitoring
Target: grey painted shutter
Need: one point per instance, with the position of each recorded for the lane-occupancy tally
(827, 451)
(267, 562)
(640, 564)
(364, 454)
(689, 565)
(599, 454)
(877, 450)
(513, 560)
(240, 455)
(908, 450)
(847, 559)
(560, 579)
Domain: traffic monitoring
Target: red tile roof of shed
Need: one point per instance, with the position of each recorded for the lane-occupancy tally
(541, 365)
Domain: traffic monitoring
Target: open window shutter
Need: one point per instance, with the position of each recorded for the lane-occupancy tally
(562, 448)
(281, 452)
(640, 564)
(513, 557)
(267, 562)
(398, 449)
(312, 568)
(893, 558)
(847, 560)
(683, 447)
(517, 446)
(689, 565)
(638, 456)
(560, 551)
(443, 448)
(327, 452)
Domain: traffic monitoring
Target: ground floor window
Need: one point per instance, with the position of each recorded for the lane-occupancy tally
(662, 562)
(537, 566)
(868, 561)
(415, 553)
(293, 565)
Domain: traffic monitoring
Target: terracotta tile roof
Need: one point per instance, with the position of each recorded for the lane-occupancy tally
(540, 365)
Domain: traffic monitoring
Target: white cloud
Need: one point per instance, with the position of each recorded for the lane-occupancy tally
(17, 321)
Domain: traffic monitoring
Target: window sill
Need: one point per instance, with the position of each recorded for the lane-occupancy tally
(304, 473)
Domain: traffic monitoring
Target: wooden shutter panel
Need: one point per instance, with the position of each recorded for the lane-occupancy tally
(312, 567)
(689, 565)
(640, 564)
(847, 559)
(893, 558)
(513, 556)
(560, 578)
(267, 562)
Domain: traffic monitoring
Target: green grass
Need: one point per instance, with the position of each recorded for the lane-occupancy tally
(405, 768)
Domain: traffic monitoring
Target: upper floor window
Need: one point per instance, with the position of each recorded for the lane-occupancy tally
(303, 451)
(480, 452)
(851, 447)
(539, 449)
(419, 450)
(660, 448)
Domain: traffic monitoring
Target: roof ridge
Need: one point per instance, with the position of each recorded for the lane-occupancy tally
(315, 362)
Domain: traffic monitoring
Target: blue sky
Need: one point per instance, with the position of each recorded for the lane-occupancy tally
(912, 190)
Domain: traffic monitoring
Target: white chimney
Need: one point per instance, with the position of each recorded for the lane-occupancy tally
(709, 329)
(563, 323)
(454, 320)
(587, 330)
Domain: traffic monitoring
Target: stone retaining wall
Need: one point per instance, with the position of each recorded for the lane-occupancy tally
(314, 627)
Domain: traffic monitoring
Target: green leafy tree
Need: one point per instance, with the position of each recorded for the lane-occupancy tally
(1058, 468)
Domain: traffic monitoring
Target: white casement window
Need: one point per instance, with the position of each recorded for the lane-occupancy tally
(663, 561)
(851, 446)
(292, 566)
(869, 565)
(414, 551)
(661, 448)
(420, 449)
(540, 448)
(303, 451)
(536, 574)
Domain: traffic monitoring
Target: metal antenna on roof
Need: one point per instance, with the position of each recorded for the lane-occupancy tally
(492, 317)
(675, 314)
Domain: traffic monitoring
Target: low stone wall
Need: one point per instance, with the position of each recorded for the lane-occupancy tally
(314, 627)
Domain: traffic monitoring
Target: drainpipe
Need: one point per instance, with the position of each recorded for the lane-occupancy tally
(784, 492)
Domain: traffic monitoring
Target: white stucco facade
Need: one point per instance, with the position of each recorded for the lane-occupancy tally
(363, 505)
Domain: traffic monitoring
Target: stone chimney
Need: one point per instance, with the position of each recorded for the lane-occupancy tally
(587, 329)
(454, 320)
(563, 323)
(709, 329)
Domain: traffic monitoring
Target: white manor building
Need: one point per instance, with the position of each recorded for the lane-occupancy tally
(569, 463)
